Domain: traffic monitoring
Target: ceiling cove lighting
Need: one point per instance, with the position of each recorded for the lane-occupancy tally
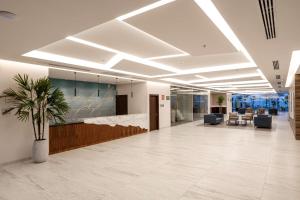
(199, 76)
(168, 56)
(174, 80)
(265, 85)
(144, 9)
(211, 69)
(215, 16)
(261, 74)
(226, 78)
(294, 66)
(125, 55)
(63, 59)
(77, 62)
(232, 83)
(254, 91)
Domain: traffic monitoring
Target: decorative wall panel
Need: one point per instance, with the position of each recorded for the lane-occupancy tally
(87, 103)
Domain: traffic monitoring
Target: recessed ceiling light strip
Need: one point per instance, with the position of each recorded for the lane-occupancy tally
(144, 9)
(225, 78)
(210, 69)
(232, 83)
(63, 59)
(200, 76)
(167, 56)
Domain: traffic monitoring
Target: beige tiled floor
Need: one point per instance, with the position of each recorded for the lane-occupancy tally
(185, 162)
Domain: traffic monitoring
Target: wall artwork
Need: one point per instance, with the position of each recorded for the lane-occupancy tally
(87, 103)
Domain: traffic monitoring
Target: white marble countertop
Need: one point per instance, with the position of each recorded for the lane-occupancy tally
(124, 120)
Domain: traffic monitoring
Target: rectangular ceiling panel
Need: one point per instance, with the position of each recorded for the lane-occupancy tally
(123, 37)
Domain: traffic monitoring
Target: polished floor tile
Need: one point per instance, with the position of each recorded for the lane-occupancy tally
(185, 162)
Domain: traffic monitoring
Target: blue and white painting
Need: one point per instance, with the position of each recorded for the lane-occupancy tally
(87, 103)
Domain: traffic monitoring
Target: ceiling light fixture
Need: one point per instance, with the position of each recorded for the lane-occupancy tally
(98, 76)
(210, 69)
(168, 56)
(253, 85)
(75, 84)
(254, 91)
(261, 74)
(232, 83)
(200, 76)
(144, 9)
(63, 59)
(225, 78)
(294, 66)
(215, 16)
(265, 85)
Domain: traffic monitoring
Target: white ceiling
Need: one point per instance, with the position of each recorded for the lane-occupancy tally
(183, 24)
(71, 49)
(130, 66)
(123, 37)
(179, 29)
(191, 62)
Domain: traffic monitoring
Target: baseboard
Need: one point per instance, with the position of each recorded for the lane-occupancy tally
(14, 161)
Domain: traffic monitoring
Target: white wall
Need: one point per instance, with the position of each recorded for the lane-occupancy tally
(292, 100)
(139, 103)
(229, 102)
(208, 101)
(16, 137)
(164, 105)
(136, 104)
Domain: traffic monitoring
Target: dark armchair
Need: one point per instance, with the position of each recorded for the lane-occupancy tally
(263, 121)
(214, 118)
(242, 111)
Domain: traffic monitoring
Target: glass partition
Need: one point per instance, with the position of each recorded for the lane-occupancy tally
(187, 105)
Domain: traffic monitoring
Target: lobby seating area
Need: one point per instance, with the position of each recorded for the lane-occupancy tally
(244, 117)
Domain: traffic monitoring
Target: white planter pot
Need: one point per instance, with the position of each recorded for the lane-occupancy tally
(40, 151)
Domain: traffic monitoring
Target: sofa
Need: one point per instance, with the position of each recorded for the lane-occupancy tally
(214, 118)
(263, 121)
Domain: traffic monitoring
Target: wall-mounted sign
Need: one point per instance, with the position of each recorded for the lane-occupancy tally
(162, 97)
(167, 98)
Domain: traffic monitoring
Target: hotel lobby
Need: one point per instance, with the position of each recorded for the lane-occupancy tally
(149, 100)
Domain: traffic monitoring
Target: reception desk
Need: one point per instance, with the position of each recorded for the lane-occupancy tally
(89, 131)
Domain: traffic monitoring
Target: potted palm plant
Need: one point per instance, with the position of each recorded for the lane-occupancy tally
(220, 102)
(36, 101)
